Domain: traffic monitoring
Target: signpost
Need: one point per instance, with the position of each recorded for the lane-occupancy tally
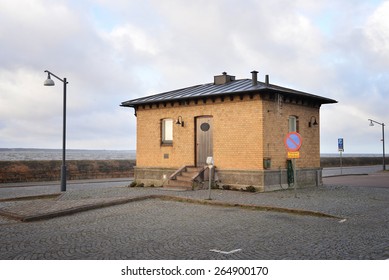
(293, 142)
(341, 150)
(210, 164)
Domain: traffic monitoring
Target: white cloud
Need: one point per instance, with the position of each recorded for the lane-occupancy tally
(377, 34)
(130, 37)
(34, 32)
(112, 51)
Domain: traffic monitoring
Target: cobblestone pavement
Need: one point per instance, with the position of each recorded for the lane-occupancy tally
(159, 229)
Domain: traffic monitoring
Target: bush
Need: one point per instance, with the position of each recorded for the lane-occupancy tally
(226, 187)
(250, 189)
(133, 184)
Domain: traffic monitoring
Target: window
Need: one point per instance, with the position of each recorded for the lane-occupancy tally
(167, 131)
(293, 124)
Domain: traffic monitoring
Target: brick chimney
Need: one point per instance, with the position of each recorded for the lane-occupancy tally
(223, 79)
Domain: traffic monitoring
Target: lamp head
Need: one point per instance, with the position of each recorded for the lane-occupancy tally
(49, 82)
(180, 121)
(371, 123)
(314, 123)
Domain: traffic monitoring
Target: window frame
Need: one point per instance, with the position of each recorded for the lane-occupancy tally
(295, 124)
(167, 131)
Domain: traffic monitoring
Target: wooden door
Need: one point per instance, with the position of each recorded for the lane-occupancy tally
(204, 140)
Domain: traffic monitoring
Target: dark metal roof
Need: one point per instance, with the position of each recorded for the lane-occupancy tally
(212, 90)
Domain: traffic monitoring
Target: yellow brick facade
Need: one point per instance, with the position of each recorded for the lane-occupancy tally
(276, 127)
(246, 130)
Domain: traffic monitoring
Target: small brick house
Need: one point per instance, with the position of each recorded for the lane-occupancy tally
(240, 123)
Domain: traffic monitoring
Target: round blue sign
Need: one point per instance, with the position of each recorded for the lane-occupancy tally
(293, 141)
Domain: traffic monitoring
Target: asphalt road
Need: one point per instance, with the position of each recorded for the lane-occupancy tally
(379, 180)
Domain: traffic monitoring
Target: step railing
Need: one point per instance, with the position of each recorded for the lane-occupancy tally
(178, 172)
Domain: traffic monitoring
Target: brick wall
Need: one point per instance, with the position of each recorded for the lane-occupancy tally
(276, 128)
(49, 170)
(237, 133)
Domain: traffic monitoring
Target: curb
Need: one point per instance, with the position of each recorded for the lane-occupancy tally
(345, 175)
(247, 206)
(70, 211)
(69, 182)
(31, 197)
(77, 209)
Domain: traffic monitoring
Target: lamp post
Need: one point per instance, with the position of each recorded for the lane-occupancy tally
(383, 141)
(50, 82)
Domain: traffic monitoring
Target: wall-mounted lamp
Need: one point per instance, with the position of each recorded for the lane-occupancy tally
(180, 121)
(312, 123)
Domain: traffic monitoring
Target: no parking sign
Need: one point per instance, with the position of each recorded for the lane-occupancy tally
(293, 143)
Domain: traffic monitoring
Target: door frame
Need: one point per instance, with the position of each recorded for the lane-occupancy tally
(196, 119)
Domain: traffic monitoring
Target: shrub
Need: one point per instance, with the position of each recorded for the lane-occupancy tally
(226, 187)
(250, 189)
(133, 184)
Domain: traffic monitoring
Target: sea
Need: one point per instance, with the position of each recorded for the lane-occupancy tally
(21, 154)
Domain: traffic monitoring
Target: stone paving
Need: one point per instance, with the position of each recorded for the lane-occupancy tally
(154, 228)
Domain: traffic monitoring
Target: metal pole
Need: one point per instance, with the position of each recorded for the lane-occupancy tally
(341, 163)
(295, 177)
(383, 141)
(383, 146)
(210, 182)
(63, 166)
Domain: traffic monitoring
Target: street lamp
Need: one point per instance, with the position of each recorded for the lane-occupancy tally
(50, 82)
(383, 141)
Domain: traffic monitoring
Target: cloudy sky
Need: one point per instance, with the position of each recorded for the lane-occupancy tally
(115, 50)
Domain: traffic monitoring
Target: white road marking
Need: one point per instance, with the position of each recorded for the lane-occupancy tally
(342, 221)
(224, 252)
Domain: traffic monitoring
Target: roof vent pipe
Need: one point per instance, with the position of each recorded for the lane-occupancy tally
(254, 77)
(267, 80)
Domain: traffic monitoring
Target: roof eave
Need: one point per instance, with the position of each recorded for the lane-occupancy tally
(320, 99)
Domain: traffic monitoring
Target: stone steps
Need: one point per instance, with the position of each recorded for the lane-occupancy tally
(184, 179)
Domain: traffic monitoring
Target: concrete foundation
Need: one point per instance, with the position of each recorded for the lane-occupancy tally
(152, 175)
(277, 179)
(262, 180)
